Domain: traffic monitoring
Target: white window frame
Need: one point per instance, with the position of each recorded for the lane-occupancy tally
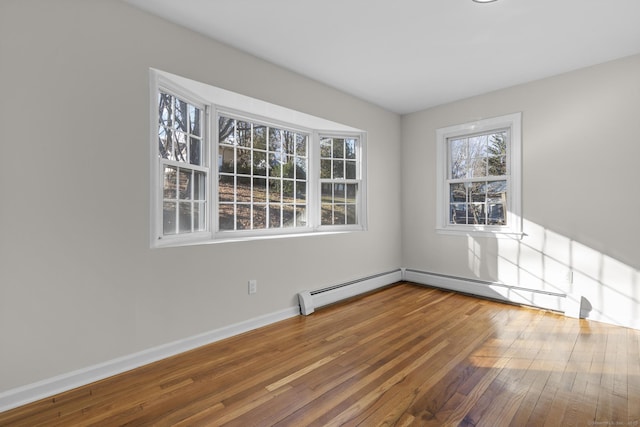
(223, 234)
(513, 227)
(219, 101)
(360, 153)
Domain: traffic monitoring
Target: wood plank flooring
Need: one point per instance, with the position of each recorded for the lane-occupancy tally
(404, 356)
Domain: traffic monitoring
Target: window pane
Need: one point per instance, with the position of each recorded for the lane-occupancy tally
(476, 213)
(326, 193)
(497, 151)
(226, 130)
(243, 161)
(458, 192)
(301, 145)
(350, 148)
(275, 141)
(288, 216)
(243, 189)
(170, 182)
(325, 169)
(275, 168)
(339, 215)
(477, 146)
(259, 137)
(184, 223)
(338, 169)
(458, 158)
(259, 190)
(496, 214)
(243, 217)
(288, 142)
(195, 117)
(259, 216)
(477, 168)
(326, 214)
(244, 133)
(496, 202)
(165, 143)
(259, 163)
(339, 193)
(288, 191)
(275, 187)
(352, 191)
(195, 151)
(199, 216)
(497, 189)
(459, 169)
(338, 148)
(288, 168)
(225, 159)
(351, 170)
(477, 192)
(184, 183)
(225, 217)
(301, 216)
(226, 189)
(497, 166)
(169, 218)
(274, 216)
(165, 102)
(180, 146)
(458, 148)
(180, 115)
(301, 168)
(458, 213)
(352, 217)
(199, 185)
(325, 147)
(301, 192)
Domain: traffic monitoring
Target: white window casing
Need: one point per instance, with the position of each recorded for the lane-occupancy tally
(464, 203)
(237, 212)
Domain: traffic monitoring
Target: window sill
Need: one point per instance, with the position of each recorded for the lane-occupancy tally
(474, 232)
(233, 237)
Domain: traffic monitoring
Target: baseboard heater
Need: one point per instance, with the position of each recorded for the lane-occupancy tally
(310, 300)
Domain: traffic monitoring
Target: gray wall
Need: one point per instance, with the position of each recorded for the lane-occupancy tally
(79, 284)
(581, 210)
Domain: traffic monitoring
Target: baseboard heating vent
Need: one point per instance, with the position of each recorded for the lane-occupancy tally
(310, 300)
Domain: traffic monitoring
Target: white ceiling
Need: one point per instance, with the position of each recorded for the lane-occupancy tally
(408, 55)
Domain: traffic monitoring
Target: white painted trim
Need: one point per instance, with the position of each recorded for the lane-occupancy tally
(42, 389)
(213, 101)
(493, 290)
(513, 229)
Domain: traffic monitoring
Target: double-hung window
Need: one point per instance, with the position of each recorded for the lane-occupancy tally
(262, 180)
(182, 133)
(222, 171)
(479, 177)
(339, 179)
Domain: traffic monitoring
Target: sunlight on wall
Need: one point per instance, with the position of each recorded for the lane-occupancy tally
(475, 256)
(596, 285)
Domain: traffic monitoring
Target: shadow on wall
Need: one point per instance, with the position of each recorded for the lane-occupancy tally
(597, 286)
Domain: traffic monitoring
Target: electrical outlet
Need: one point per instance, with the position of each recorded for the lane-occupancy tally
(253, 286)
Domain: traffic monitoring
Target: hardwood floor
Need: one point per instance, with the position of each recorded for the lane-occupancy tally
(404, 356)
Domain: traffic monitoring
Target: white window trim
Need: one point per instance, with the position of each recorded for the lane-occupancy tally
(361, 200)
(513, 229)
(219, 100)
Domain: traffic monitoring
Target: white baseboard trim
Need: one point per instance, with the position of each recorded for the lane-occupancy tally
(493, 290)
(42, 389)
